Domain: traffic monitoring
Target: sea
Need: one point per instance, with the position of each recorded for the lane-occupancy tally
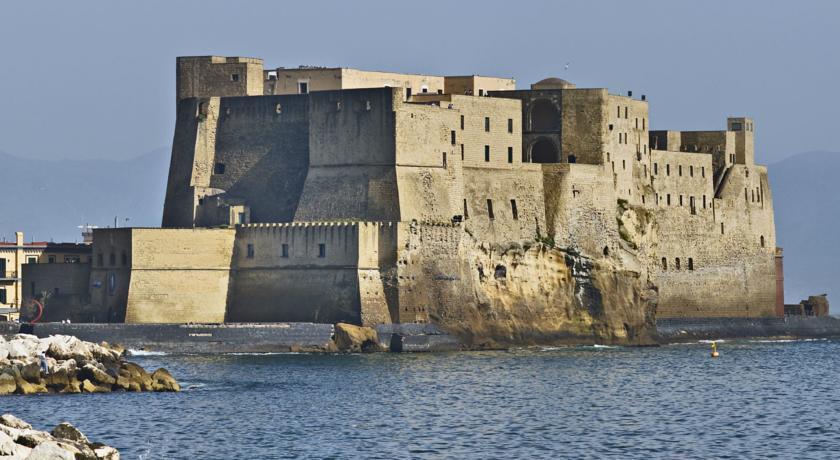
(759, 399)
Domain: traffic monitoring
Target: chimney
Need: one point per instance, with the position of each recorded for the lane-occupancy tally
(19, 238)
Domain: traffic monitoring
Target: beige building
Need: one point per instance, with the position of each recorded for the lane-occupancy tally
(14, 255)
(334, 194)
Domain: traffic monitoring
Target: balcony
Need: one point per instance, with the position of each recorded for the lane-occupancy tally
(9, 276)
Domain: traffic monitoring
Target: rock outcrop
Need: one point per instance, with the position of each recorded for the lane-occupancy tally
(19, 441)
(73, 366)
(356, 339)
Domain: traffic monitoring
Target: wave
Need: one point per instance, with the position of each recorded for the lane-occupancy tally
(132, 352)
(267, 353)
(712, 341)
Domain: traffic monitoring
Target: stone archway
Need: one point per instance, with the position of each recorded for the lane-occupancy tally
(544, 151)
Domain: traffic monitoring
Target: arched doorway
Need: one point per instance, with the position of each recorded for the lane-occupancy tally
(544, 116)
(544, 151)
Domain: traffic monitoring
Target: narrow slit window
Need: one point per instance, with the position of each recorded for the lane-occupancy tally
(664, 263)
(284, 251)
(510, 125)
(250, 251)
(490, 209)
(462, 122)
(487, 124)
(515, 213)
(466, 211)
(452, 137)
(510, 154)
(322, 250)
(690, 263)
(487, 153)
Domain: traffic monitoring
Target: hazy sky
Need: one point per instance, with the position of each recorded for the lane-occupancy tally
(97, 78)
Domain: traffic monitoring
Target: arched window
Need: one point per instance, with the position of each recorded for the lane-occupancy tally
(544, 151)
(690, 263)
(544, 116)
(762, 241)
(677, 263)
(664, 263)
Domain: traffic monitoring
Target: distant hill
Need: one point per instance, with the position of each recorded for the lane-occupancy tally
(807, 207)
(48, 199)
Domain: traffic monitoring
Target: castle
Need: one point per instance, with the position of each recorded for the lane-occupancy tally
(335, 194)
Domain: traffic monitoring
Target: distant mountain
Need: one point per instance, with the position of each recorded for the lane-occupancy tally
(48, 199)
(807, 206)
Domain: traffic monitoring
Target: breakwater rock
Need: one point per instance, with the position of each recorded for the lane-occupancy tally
(19, 441)
(65, 364)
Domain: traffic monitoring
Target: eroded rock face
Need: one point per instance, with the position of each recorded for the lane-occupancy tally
(73, 366)
(356, 339)
(537, 294)
(19, 440)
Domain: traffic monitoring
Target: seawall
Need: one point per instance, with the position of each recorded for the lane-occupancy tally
(678, 330)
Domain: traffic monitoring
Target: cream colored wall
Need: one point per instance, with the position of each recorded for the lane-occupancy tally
(476, 84)
(205, 76)
(318, 80)
(627, 145)
(343, 78)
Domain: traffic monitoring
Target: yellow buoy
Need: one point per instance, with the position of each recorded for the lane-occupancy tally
(715, 353)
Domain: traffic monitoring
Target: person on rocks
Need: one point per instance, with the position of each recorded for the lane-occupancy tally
(43, 358)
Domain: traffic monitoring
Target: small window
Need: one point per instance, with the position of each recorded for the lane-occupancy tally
(486, 153)
(664, 263)
(677, 263)
(515, 213)
(240, 218)
(691, 171)
(625, 112)
(452, 137)
(32, 260)
(606, 251)
(667, 170)
(124, 259)
(703, 171)
(462, 122)
(466, 210)
(510, 154)
(679, 168)
(234, 77)
(480, 92)
(322, 250)
(737, 126)
(303, 87)
(681, 201)
(462, 152)
(618, 114)
(704, 201)
(655, 169)
(284, 251)
(219, 168)
(444, 159)
(721, 228)
(487, 124)
(250, 251)
(690, 263)
(644, 168)
(572, 159)
(51, 259)
(490, 209)
(424, 89)
(3, 299)
(637, 123)
(623, 164)
(668, 199)
(762, 241)
(112, 259)
(510, 125)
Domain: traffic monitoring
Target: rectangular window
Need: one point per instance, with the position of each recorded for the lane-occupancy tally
(322, 250)
(234, 77)
(618, 114)
(250, 251)
(32, 260)
(514, 212)
(219, 168)
(284, 251)
(681, 202)
(691, 171)
(510, 154)
(721, 228)
(452, 137)
(644, 167)
(656, 169)
(625, 112)
(124, 259)
(303, 87)
(487, 124)
(680, 170)
(668, 199)
(510, 125)
(623, 164)
(486, 153)
(408, 93)
(667, 170)
(240, 218)
(3, 299)
(462, 122)
(466, 211)
(480, 92)
(704, 201)
(703, 171)
(112, 259)
(444, 159)
(490, 209)
(462, 152)
(51, 259)
(637, 123)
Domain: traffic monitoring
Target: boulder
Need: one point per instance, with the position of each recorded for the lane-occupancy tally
(57, 379)
(4, 350)
(8, 447)
(50, 450)
(22, 349)
(63, 347)
(95, 375)
(355, 339)
(134, 378)
(69, 432)
(28, 388)
(90, 387)
(7, 384)
(11, 421)
(162, 380)
(31, 372)
(106, 452)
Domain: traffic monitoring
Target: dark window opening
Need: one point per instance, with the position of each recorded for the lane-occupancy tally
(510, 125)
(544, 116)
(462, 122)
(572, 159)
(677, 264)
(462, 152)
(234, 77)
(721, 228)
(444, 159)
(408, 93)
(452, 137)
(544, 151)
(704, 201)
(322, 250)
(681, 201)
(466, 211)
(486, 153)
(219, 168)
(100, 260)
(3, 298)
(487, 124)
(664, 263)
(284, 251)
(606, 251)
(655, 169)
(703, 171)
(480, 92)
(490, 209)
(762, 241)
(668, 199)
(623, 164)
(500, 272)
(690, 263)
(250, 251)
(691, 171)
(680, 170)
(667, 170)
(51, 259)
(515, 212)
(510, 154)
(303, 87)
(112, 259)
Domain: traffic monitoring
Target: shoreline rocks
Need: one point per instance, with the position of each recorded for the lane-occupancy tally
(72, 366)
(19, 441)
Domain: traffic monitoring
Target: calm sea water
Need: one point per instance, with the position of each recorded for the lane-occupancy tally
(760, 399)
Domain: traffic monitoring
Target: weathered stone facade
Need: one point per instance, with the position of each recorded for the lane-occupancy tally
(515, 216)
